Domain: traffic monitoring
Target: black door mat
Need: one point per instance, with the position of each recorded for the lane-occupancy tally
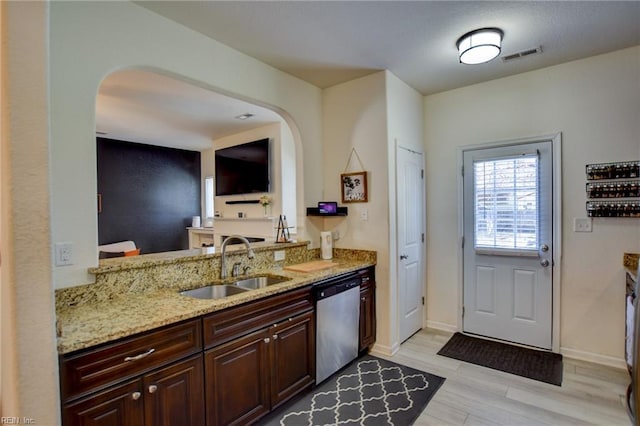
(370, 391)
(533, 364)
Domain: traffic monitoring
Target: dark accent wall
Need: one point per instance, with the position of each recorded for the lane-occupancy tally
(149, 194)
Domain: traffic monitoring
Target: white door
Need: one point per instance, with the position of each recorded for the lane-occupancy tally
(410, 219)
(508, 243)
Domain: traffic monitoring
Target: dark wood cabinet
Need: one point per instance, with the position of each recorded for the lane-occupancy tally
(230, 367)
(292, 357)
(250, 372)
(237, 380)
(171, 396)
(152, 379)
(120, 405)
(174, 395)
(367, 309)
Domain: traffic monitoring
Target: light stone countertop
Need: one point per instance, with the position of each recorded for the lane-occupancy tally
(90, 324)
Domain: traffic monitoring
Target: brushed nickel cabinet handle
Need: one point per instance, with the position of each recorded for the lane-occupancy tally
(153, 388)
(267, 340)
(138, 357)
(136, 396)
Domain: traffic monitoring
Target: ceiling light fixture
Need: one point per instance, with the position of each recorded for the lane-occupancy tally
(244, 116)
(479, 46)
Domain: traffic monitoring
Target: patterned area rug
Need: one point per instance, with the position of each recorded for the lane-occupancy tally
(537, 365)
(370, 391)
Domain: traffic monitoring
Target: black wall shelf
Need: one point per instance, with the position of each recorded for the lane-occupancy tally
(242, 202)
(315, 211)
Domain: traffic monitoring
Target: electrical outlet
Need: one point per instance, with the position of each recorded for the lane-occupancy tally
(278, 255)
(64, 254)
(335, 235)
(364, 214)
(582, 224)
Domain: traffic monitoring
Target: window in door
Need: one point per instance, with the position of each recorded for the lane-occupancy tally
(506, 204)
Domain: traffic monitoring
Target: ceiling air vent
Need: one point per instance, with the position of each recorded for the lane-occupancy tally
(521, 54)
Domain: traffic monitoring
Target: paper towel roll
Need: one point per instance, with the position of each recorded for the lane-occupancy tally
(326, 245)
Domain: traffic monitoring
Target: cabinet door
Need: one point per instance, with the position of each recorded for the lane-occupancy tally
(117, 406)
(367, 316)
(237, 380)
(174, 395)
(292, 357)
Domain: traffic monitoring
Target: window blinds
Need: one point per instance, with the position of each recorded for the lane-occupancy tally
(506, 203)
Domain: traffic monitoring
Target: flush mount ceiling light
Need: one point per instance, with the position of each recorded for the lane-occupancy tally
(479, 46)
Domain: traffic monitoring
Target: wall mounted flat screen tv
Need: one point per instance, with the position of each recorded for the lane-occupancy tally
(243, 169)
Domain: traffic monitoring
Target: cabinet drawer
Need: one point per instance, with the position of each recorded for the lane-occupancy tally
(368, 276)
(223, 326)
(104, 365)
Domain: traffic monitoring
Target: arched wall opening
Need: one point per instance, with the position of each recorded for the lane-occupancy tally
(160, 109)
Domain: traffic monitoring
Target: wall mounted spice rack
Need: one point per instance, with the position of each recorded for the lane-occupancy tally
(613, 208)
(620, 170)
(619, 180)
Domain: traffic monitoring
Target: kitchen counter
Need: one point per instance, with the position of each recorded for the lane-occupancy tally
(99, 320)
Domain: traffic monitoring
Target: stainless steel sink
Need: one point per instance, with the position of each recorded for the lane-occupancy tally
(260, 281)
(214, 291)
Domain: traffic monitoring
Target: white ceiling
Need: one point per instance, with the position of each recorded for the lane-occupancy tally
(140, 106)
(330, 42)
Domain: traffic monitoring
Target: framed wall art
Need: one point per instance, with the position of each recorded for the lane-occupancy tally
(354, 187)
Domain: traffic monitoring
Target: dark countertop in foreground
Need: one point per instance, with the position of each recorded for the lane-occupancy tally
(90, 324)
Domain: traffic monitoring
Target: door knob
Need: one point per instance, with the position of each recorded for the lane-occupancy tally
(544, 248)
(403, 256)
(544, 262)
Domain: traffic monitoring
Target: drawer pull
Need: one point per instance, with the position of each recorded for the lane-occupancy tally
(153, 388)
(275, 337)
(136, 396)
(138, 357)
(267, 340)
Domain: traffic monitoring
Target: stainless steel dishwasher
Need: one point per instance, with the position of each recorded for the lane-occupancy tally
(337, 323)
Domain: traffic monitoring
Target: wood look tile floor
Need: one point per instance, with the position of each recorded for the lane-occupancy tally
(473, 395)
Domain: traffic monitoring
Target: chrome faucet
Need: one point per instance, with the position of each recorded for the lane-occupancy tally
(250, 254)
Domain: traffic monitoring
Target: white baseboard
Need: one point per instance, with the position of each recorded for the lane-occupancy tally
(442, 326)
(384, 350)
(593, 357)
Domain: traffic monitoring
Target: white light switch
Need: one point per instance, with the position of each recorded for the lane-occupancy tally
(582, 224)
(364, 214)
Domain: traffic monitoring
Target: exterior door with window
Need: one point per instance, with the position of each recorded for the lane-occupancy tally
(508, 250)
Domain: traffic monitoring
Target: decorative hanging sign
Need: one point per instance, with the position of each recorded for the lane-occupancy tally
(354, 184)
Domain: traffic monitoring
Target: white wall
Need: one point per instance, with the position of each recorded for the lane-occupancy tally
(405, 117)
(91, 39)
(595, 103)
(354, 116)
(370, 114)
(29, 362)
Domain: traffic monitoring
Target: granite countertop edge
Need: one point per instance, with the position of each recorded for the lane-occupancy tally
(84, 326)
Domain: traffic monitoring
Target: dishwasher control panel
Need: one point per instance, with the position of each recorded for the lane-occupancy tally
(331, 288)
